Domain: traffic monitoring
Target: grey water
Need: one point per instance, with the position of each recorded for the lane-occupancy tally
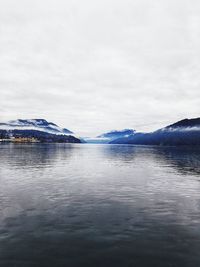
(99, 205)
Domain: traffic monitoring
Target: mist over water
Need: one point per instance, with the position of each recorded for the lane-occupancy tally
(99, 205)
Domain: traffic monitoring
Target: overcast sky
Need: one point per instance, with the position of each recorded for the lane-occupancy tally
(94, 66)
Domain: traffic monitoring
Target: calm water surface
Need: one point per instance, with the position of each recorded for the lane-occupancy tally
(99, 205)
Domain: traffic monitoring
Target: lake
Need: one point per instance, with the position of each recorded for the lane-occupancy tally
(99, 205)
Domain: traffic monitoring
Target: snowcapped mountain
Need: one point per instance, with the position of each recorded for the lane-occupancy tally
(34, 124)
(110, 136)
(117, 134)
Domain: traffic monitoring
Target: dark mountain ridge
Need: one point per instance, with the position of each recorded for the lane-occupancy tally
(186, 123)
(43, 137)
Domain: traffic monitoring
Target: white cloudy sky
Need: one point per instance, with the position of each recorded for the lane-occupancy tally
(93, 66)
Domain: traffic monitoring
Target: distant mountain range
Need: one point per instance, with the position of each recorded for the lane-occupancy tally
(36, 129)
(110, 136)
(184, 132)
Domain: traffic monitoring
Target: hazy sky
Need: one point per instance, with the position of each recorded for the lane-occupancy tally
(93, 66)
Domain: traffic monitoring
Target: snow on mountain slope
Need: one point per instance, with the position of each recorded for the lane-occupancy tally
(117, 133)
(34, 124)
(110, 136)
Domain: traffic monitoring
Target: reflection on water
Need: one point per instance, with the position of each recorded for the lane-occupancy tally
(186, 160)
(99, 205)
